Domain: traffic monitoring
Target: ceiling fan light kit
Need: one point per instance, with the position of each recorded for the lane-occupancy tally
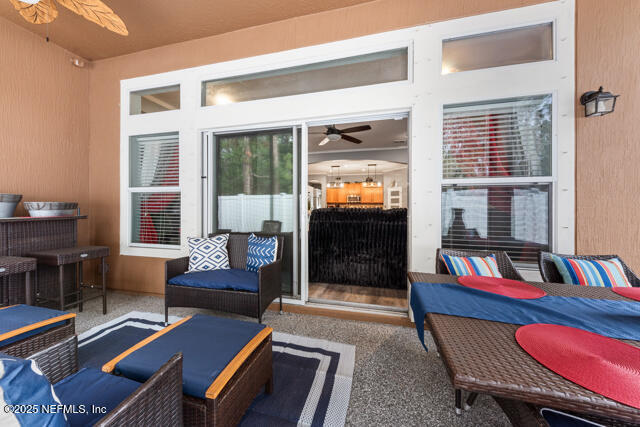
(45, 11)
(333, 134)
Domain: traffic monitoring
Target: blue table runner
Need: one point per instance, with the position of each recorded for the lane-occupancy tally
(611, 318)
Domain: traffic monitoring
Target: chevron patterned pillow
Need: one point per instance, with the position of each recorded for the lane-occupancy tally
(207, 254)
(262, 251)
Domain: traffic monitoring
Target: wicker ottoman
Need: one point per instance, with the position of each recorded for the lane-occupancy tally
(26, 330)
(226, 364)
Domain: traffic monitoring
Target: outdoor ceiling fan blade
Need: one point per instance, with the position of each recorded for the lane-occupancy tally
(356, 129)
(324, 141)
(351, 139)
(42, 12)
(98, 13)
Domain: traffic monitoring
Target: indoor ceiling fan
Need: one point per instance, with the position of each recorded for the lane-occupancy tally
(45, 11)
(334, 134)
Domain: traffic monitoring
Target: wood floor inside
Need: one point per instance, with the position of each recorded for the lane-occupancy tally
(359, 294)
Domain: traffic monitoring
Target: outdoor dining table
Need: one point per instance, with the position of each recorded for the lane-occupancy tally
(482, 356)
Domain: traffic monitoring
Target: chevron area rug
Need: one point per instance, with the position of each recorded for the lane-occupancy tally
(312, 378)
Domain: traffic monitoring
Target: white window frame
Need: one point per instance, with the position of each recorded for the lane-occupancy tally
(496, 181)
(424, 94)
(554, 77)
(157, 189)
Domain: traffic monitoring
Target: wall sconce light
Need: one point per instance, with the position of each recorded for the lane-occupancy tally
(598, 103)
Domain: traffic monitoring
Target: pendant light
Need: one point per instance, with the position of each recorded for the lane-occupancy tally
(335, 182)
(371, 181)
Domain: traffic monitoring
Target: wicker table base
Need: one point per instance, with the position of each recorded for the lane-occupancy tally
(17, 265)
(76, 256)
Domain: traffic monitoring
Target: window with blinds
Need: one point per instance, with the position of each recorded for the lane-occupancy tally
(509, 138)
(497, 176)
(154, 178)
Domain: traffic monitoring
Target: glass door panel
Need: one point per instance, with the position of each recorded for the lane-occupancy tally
(255, 191)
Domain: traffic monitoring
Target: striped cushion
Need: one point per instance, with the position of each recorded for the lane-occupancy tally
(471, 266)
(586, 272)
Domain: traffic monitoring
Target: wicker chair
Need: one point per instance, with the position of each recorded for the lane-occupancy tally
(158, 401)
(505, 265)
(239, 302)
(550, 273)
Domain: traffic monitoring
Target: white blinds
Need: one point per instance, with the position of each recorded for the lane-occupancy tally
(512, 218)
(156, 218)
(483, 142)
(154, 161)
(155, 200)
(511, 138)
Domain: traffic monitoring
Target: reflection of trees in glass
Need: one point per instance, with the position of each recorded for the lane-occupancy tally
(255, 164)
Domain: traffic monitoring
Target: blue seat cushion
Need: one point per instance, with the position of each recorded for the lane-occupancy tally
(22, 321)
(90, 386)
(234, 279)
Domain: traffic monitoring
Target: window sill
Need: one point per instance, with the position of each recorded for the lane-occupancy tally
(151, 252)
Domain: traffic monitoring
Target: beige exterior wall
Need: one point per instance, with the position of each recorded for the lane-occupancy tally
(44, 122)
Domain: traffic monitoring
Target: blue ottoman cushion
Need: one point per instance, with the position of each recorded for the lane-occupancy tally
(22, 321)
(90, 386)
(234, 279)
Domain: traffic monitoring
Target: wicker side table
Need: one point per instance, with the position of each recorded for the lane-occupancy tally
(76, 255)
(18, 265)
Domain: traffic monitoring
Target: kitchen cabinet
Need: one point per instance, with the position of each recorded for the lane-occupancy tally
(367, 195)
(372, 195)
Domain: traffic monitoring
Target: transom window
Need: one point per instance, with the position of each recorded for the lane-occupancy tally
(521, 45)
(361, 70)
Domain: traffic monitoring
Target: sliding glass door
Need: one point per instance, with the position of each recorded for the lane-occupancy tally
(254, 189)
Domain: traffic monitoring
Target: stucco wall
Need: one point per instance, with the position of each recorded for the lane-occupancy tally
(44, 122)
(607, 148)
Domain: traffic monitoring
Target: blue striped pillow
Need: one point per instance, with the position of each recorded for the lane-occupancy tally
(471, 266)
(590, 272)
(262, 251)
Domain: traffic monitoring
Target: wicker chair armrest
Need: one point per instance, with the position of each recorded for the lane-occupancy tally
(156, 402)
(270, 280)
(632, 277)
(58, 361)
(175, 267)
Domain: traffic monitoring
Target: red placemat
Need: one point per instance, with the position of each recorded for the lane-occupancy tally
(633, 293)
(501, 286)
(603, 365)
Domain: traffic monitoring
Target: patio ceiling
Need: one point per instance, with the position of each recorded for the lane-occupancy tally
(153, 23)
